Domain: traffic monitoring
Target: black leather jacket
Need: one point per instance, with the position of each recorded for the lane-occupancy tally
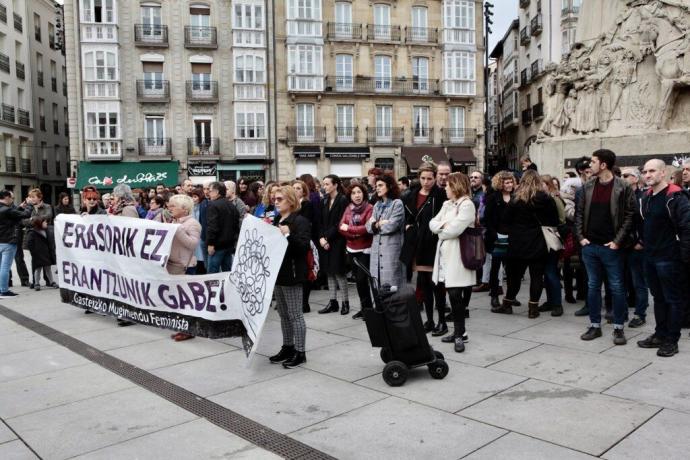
(10, 218)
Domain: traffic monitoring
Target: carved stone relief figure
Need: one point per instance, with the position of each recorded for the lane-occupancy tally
(623, 75)
(586, 119)
(569, 107)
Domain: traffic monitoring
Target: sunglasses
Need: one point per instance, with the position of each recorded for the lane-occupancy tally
(91, 199)
(279, 199)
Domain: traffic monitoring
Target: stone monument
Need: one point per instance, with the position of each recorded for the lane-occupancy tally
(625, 85)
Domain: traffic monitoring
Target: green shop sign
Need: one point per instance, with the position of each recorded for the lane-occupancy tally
(136, 175)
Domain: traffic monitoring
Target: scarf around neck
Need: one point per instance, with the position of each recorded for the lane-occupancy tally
(357, 212)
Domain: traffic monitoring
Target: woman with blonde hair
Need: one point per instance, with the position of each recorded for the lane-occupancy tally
(291, 276)
(456, 215)
(531, 209)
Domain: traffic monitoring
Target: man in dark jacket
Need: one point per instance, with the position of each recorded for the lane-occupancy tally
(222, 229)
(666, 213)
(10, 217)
(603, 224)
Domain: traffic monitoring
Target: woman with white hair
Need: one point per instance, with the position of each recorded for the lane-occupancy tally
(122, 202)
(186, 240)
(231, 195)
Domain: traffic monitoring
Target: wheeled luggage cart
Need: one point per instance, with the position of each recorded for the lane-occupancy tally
(395, 325)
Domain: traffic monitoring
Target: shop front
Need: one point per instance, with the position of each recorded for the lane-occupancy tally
(415, 156)
(307, 160)
(462, 159)
(202, 172)
(234, 171)
(346, 162)
(105, 176)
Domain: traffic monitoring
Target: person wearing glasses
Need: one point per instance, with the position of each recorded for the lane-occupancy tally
(91, 202)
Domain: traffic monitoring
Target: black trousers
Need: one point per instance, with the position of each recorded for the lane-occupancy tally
(459, 301)
(19, 260)
(494, 282)
(361, 278)
(429, 291)
(516, 270)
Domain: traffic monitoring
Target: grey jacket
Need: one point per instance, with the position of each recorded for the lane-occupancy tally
(622, 210)
(385, 264)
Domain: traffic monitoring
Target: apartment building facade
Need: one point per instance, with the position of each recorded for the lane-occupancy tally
(50, 146)
(168, 90)
(17, 171)
(378, 83)
(541, 36)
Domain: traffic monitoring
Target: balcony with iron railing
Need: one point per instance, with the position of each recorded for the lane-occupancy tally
(19, 68)
(4, 63)
(155, 146)
(525, 36)
(343, 31)
(383, 33)
(23, 117)
(385, 135)
(56, 127)
(383, 85)
(153, 91)
(209, 147)
(536, 68)
(10, 164)
(151, 35)
(536, 25)
(527, 117)
(200, 37)
(53, 84)
(421, 35)
(422, 135)
(346, 134)
(3, 13)
(202, 91)
(538, 111)
(525, 77)
(459, 136)
(306, 134)
(18, 23)
(8, 113)
(509, 82)
(569, 10)
(25, 165)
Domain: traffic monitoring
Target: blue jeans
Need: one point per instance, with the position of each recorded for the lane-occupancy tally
(552, 280)
(220, 261)
(7, 252)
(664, 278)
(600, 260)
(636, 266)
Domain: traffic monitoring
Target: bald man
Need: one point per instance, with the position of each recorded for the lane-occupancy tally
(666, 215)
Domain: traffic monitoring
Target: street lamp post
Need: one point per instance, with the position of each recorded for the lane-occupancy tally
(488, 14)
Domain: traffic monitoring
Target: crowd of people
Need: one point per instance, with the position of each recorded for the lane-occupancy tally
(625, 229)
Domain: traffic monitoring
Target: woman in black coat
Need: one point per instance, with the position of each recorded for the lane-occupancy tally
(496, 237)
(332, 258)
(65, 205)
(306, 210)
(419, 247)
(41, 245)
(291, 276)
(530, 209)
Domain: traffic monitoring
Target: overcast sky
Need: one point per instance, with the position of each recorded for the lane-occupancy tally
(504, 13)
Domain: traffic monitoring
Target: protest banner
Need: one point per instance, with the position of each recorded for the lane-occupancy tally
(116, 266)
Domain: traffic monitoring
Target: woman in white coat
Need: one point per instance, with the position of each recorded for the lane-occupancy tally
(455, 216)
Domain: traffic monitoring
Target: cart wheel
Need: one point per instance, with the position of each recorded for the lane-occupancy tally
(386, 355)
(395, 373)
(439, 369)
(439, 355)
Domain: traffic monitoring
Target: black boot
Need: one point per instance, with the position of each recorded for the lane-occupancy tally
(495, 303)
(428, 326)
(306, 308)
(441, 329)
(506, 307)
(297, 358)
(533, 310)
(286, 352)
(330, 308)
(557, 310)
(584, 311)
(345, 309)
(546, 306)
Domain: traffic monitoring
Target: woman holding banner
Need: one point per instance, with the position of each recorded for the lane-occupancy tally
(185, 242)
(122, 204)
(92, 201)
(291, 276)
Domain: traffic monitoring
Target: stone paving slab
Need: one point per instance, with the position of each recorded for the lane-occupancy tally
(86, 323)
(166, 352)
(664, 437)
(352, 360)
(198, 439)
(661, 384)
(356, 330)
(16, 450)
(119, 337)
(493, 323)
(398, 429)
(43, 391)
(37, 361)
(6, 434)
(220, 373)
(483, 349)
(65, 431)
(570, 417)
(514, 446)
(463, 386)
(296, 400)
(590, 371)
(22, 340)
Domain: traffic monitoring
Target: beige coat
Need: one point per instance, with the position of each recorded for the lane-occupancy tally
(457, 215)
(183, 246)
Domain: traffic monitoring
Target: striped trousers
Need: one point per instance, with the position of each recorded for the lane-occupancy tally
(289, 303)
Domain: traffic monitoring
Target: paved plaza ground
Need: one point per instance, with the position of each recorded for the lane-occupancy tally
(523, 389)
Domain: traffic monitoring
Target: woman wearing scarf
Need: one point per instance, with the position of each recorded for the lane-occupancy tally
(156, 209)
(122, 204)
(358, 245)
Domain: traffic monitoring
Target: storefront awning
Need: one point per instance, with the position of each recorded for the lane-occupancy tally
(348, 153)
(134, 174)
(461, 156)
(307, 151)
(415, 156)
